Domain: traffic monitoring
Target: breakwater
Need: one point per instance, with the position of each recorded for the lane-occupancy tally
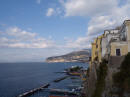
(34, 90)
(60, 79)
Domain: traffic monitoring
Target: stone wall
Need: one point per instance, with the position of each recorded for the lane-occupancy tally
(114, 63)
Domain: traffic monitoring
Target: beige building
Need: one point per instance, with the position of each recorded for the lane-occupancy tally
(118, 48)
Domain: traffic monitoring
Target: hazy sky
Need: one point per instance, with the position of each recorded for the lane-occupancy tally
(31, 30)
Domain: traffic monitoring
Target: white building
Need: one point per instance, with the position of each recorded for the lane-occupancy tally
(116, 42)
(108, 36)
(125, 33)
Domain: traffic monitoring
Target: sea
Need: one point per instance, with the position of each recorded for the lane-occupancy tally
(17, 78)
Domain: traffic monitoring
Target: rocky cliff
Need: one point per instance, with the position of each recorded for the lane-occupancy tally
(100, 80)
(76, 56)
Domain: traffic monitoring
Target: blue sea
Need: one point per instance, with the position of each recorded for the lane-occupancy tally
(17, 78)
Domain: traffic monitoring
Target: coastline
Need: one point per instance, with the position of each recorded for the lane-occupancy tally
(40, 72)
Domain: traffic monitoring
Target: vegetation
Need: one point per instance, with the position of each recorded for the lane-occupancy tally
(122, 78)
(101, 75)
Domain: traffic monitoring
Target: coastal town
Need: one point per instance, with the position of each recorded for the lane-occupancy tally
(64, 48)
(109, 52)
(112, 43)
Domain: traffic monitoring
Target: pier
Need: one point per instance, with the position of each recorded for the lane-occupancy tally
(59, 79)
(61, 92)
(34, 90)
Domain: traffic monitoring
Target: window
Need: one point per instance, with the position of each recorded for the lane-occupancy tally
(118, 53)
(96, 46)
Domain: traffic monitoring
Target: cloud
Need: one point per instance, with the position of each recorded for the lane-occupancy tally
(54, 11)
(15, 37)
(38, 1)
(87, 7)
(103, 14)
(50, 12)
(100, 23)
(19, 33)
(79, 43)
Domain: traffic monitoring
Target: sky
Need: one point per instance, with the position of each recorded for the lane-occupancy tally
(32, 30)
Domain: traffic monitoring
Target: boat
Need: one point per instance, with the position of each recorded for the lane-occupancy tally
(74, 86)
(62, 93)
(74, 73)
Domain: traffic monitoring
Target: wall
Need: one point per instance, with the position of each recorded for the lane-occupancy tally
(106, 40)
(128, 34)
(118, 45)
(99, 51)
(93, 53)
(104, 46)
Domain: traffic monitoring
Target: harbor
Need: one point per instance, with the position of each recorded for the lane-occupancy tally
(74, 87)
(34, 90)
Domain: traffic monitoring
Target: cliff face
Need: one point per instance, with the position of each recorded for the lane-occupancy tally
(108, 89)
(77, 56)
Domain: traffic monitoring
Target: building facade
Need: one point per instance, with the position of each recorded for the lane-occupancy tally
(93, 52)
(125, 33)
(118, 48)
(106, 39)
(96, 49)
(121, 46)
(115, 42)
(99, 48)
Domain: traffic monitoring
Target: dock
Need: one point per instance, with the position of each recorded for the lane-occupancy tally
(34, 90)
(62, 92)
(59, 79)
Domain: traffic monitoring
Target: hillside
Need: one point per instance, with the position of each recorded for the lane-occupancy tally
(76, 56)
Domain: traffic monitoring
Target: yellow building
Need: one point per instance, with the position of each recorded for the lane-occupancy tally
(99, 48)
(93, 53)
(96, 50)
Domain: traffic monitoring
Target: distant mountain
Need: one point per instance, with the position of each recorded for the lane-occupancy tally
(76, 56)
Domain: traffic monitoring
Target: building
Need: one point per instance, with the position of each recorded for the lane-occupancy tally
(121, 45)
(125, 33)
(93, 52)
(97, 50)
(114, 42)
(118, 48)
(106, 39)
